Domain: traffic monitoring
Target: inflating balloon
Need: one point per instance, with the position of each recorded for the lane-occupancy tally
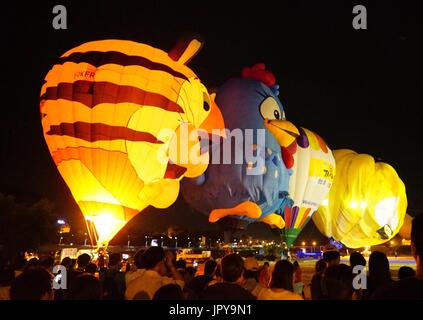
(367, 202)
(313, 169)
(107, 109)
(243, 189)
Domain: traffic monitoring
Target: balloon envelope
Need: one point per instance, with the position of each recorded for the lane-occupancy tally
(312, 168)
(238, 187)
(366, 204)
(109, 110)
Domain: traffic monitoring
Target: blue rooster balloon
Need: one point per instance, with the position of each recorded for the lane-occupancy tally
(245, 189)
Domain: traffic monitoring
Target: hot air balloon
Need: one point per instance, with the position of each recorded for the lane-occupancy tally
(313, 169)
(111, 110)
(366, 204)
(242, 190)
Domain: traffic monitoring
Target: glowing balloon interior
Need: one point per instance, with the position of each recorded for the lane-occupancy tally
(104, 107)
(367, 203)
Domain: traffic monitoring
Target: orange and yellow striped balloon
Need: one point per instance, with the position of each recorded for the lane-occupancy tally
(104, 108)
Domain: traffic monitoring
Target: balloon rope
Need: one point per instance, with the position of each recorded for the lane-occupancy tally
(90, 234)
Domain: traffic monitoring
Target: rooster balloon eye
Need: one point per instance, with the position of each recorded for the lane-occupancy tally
(269, 109)
(206, 106)
(277, 115)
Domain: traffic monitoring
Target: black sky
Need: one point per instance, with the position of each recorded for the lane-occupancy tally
(359, 89)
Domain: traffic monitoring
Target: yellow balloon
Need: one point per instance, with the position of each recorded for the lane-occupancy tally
(185, 151)
(367, 202)
(105, 107)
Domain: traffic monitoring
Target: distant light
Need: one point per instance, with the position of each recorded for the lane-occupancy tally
(392, 242)
(303, 243)
(61, 221)
(314, 243)
(325, 202)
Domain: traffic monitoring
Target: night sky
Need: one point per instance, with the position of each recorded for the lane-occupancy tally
(359, 89)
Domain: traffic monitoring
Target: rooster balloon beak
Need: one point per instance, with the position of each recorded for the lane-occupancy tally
(214, 123)
(284, 131)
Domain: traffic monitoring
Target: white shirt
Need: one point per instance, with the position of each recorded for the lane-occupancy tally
(269, 294)
(146, 284)
(132, 275)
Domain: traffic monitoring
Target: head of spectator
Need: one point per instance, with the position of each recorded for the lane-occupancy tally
(32, 284)
(83, 260)
(210, 268)
(417, 243)
(283, 276)
(66, 262)
(47, 262)
(154, 259)
(169, 292)
(379, 271)
(406, 272)
(32, 263)
(357, 259)
(266, 265)
(91, 268)
(331, 255)
(138, 260)
(320, 266)
(85, 287)
(337, 282)
(181, 264)
(191, 271)
(115, 260)
(231, 268)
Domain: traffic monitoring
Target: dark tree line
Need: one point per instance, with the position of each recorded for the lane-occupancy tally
(25, 226)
